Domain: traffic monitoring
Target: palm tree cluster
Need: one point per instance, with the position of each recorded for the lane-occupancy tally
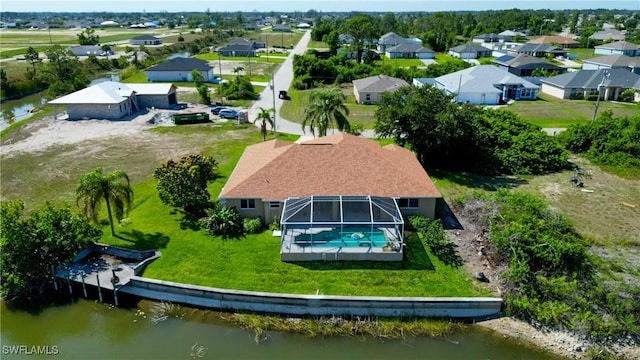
(326, 109)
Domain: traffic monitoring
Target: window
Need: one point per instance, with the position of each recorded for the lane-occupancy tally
(367, 97)
(407, 203)
(247, 204)
(274, 204)
(525, 92)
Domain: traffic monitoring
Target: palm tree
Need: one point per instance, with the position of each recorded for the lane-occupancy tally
(325, 109)
(265, 117)
(113, 188)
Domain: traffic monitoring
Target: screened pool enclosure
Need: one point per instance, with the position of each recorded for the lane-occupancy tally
(341, 228)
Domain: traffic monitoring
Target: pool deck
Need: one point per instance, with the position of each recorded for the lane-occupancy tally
(290, 251)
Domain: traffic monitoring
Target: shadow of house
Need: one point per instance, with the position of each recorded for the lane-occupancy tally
(144, 241)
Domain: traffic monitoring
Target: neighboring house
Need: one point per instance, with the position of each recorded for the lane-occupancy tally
(327, 186)
(392, 39)
(514, 33)
(539, 50)
(495, 41)
(608, 34)
(87, 50)
(555, 40)
(179, 69)
(112, 100)
(281, 28)
(419, 82)
(580, 84)
(409, 51)
(237, 50)
(368, 90)
(304, 26)
(618, 47)
(525, 65)
(486, 85)
(617, 61)
(241, 47)
(470, 51)
(145, 40)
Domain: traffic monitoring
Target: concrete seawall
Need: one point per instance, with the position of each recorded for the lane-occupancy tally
(327, 305)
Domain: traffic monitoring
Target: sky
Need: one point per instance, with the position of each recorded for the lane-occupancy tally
(303, 5)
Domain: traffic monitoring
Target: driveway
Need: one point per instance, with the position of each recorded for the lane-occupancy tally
(282, 79)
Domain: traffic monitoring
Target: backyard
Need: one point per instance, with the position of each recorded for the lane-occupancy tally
(189, 254)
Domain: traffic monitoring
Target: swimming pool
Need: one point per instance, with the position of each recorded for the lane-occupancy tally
(352, 236)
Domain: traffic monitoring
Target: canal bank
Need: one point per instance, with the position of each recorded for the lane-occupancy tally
(118, 270)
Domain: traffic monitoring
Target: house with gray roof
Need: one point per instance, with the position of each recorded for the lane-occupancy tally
(281, 28)
(469, 51)
(113, 100)
(88, 50)
(409, 51)
(179, 69)
(392, 39)
(241, 47)
(539, 50)
(618, 47)
(608, 34)
(486, 85)
(525, 65)
(617, 61)
(368, 90)
(145, 40)
(580, 84)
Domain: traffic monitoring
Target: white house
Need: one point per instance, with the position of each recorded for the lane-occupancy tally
(113, 100)
(618, 47)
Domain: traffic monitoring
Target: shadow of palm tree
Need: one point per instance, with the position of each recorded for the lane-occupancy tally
(144, 241)
(484, 182)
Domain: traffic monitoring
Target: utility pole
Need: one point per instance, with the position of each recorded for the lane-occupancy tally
(221, 80)
(273, 88)
(605, 75)
(266, 41)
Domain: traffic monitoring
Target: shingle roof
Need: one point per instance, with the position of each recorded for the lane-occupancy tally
(553, 39)
(145, 37)
(590, 79)
(379, 83)
(615, 60)
(524, 61)
(339, 164)
(182, 64)
(492, 37)
(237, 47)
(110, 92)
(619, 45)
(409, 48)
(531, 47)
(481, 78)
(469, 48)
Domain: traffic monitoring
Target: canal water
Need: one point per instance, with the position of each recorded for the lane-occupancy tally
(92, 330)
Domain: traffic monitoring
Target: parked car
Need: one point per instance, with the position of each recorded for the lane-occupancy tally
(283, 95)
(215, 109)
(219, 80)
(228, 114)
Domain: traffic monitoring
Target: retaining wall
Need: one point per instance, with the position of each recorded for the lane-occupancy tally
(327, 305)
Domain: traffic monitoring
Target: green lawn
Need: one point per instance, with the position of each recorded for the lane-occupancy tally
(258, 59)
(293, 110)
(582, 53)
(401, 62)
(548, 111)
(318, 45)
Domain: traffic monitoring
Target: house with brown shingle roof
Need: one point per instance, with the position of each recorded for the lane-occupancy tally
(334, 182)
(555, 39)
(368, 90)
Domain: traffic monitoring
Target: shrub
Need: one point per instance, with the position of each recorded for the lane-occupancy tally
(252, 226)
(628, 95)
(275, 225)
(433, 235)
(592, 97)
(576, 96)
(223, 220)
